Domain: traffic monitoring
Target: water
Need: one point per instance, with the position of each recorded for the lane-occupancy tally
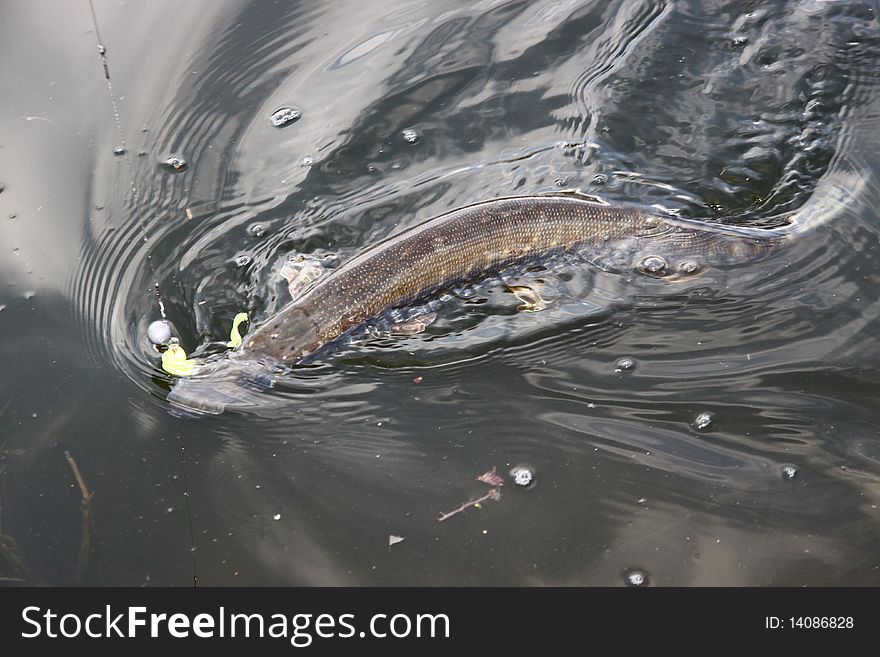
(726, 112)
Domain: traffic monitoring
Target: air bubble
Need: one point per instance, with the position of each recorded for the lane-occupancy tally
(653, 265)
(119, 150)
(789, 472)
(625, 364)
(243, 260)
(523, 475)
(175, 163)
(257, 230)
(703, 421)
(636, 577)
(688, 267)
(284, 116)
(410, 136)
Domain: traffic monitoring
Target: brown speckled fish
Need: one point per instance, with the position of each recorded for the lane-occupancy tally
(479, 239)
(470, 243)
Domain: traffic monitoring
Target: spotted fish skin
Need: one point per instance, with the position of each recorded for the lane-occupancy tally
(483, 238)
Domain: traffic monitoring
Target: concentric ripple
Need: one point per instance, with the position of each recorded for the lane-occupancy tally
(674, 400)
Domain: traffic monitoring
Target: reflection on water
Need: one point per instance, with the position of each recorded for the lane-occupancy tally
(737, 115)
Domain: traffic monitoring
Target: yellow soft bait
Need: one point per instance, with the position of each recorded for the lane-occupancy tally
(174, 361)
(234, 335)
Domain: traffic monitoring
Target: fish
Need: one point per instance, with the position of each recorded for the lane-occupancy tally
(464, 245)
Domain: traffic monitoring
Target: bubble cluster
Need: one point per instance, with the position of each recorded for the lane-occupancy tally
(703, 421)
(789, 472)
(523, 475)
(636, 577)
(410, 136)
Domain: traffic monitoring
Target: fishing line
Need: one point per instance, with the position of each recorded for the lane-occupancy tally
(188, 511)
(102, 50)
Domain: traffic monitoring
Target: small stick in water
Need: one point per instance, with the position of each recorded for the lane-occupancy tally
(493, 494)
(85, 544)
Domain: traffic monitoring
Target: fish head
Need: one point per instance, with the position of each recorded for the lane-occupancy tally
(223, 383)
(287, 337)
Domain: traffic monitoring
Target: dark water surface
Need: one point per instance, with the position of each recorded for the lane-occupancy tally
(737, 112)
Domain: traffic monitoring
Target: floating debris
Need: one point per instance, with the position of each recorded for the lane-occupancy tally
(175, 163)
(492, 478)
(418, 379)
(493, 494)
(394, 540)
(85, 508)
(257, 230)
(410, 136)
(118, 151)
(284, 116)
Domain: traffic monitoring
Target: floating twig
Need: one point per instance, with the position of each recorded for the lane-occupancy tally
(493, 494)
(85, 509)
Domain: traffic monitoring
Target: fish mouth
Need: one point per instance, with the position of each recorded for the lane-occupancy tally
(222, 385)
